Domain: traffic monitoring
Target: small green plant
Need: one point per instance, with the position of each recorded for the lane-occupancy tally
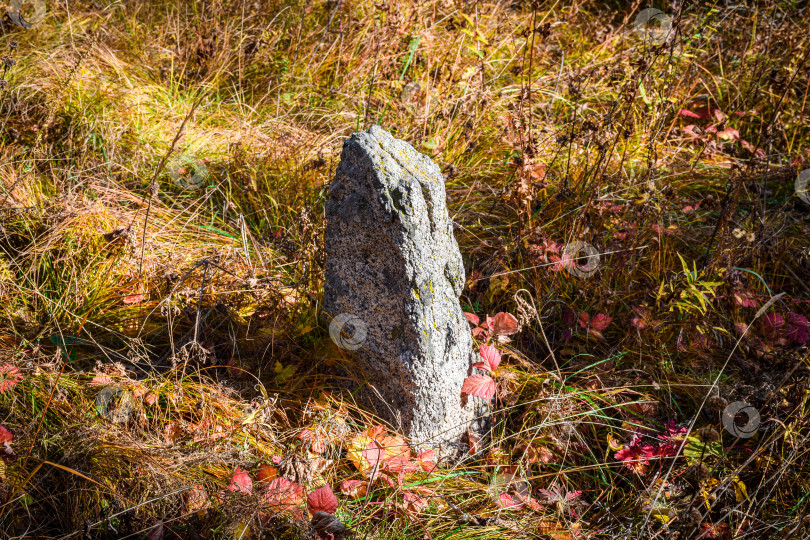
(689, 292)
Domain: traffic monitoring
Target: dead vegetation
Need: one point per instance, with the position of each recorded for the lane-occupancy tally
(164, 369)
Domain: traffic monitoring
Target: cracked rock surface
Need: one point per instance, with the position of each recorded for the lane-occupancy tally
(393, 277)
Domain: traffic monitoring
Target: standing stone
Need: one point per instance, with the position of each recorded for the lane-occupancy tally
(393, 277)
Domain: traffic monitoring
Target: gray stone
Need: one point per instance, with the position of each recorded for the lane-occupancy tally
(393, 277)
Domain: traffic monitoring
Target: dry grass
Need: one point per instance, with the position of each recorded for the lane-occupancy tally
(200, 302)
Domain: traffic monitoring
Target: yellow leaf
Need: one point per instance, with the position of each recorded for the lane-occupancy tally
(739, 489)
(246, 311)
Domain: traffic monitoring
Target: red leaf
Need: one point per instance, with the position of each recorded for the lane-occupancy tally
(316, 442)
(479, 333)
(426, 459)
(354, 488)
(479, 386)
(322, 500)
(690, 114)
(771, 322)
(101, 379)
(401, 463)
(600, 322)
(374, 453)
(491, 358)
(241, 481)
(569, 316)
(503, 324)
(527, 500)
(5, 435)
(729, 134)
(693, 132)
(642, 321)
(505, 500)
(758, 152)
(472, 317)
(283, 493)
(798, 330)
(745, 299)
(414, 504)
(584, 319)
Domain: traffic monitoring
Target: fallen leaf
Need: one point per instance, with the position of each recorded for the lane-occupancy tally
(195, 499)
(354, 488)
(266, 473)
(316, 442)
(240, 481)
(284, 494)
(505, 500)
(157, 532)
(327, 526)
(413, 503)
(322, 500)
(771, 323)
(134, 298)
(373, 453)
(688, 113)
(426, 459)
(600, 322)
(729, 134)
(798, 329)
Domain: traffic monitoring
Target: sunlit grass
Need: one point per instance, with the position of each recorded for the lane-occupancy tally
(568, 133)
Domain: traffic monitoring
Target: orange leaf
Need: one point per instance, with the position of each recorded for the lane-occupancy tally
(134, 298)
(266, 473)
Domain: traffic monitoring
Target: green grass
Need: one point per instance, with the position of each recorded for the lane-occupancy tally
(568, 133)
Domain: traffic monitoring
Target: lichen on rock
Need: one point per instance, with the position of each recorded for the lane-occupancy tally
(392, 261)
